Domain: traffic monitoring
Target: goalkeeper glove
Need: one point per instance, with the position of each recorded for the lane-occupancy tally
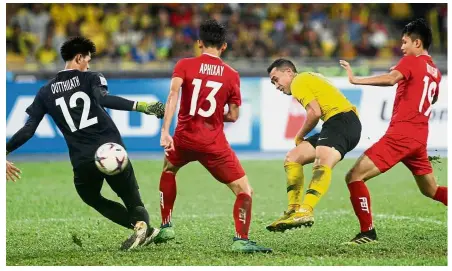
(154, 108)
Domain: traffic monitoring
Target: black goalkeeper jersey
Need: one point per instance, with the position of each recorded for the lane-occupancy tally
(72, 100)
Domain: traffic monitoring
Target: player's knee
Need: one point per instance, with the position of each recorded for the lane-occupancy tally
(349, 176)
(168, 167)
(245, 188)
(241, 186)
(327, 156)
(289, 158)
(169, 170)
(293, 157)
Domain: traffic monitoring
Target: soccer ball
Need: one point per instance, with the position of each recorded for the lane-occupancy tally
(111, 158)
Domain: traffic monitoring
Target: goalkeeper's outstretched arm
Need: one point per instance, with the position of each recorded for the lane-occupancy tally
(119, 103)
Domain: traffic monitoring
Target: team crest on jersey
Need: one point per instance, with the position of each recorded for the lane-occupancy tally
(103, 81)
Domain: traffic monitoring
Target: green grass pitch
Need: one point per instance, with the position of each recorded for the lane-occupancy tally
(48, 224)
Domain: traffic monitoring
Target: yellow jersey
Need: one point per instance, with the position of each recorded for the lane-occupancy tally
(309, 86)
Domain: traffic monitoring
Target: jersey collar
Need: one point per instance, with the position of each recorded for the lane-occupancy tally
(424, 55)
(66, 70)
(210, 55)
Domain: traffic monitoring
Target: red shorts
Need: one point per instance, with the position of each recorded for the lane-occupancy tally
(391, 149)
(224, 165)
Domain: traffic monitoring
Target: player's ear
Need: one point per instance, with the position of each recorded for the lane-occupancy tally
(200, 44)
(78, 58)
(417, 43)
(224, 47)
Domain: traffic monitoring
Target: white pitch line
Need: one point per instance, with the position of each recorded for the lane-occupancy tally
(419, 219)
(324, 214)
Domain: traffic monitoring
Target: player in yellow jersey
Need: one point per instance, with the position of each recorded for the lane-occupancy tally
(341, 132)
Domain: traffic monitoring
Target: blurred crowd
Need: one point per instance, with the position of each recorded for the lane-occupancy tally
(147, 32)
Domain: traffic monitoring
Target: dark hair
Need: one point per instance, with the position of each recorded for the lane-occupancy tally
(419, 29)
(75, 46)
(282, 63)
(212, 33)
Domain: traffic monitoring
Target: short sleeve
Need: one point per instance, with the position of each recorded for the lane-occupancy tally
(300, 89)
(37, 109)
(234, 96)
(404, 66)
(179, 69)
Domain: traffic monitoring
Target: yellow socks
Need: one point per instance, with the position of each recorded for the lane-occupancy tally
(321, 179)
(295, 182)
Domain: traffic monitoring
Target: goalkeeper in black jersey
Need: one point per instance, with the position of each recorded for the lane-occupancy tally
(75, 98)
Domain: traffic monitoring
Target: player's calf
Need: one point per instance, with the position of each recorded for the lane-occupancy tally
(301, 155)
(363, 170)
(114, 211)
(429, 188)
(168, 191)
(241, 185)
(242, 217)
(242, 206)
(326, 159)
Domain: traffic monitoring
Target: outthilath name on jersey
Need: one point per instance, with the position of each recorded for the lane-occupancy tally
(210, 69)
(65, 85)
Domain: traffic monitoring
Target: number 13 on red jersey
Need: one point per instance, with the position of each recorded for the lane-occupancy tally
(215, 87)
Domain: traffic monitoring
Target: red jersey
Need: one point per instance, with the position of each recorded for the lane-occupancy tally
(208, 85)
(414, 96)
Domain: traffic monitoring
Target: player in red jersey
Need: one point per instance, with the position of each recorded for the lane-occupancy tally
(406, 138)
(208, 84)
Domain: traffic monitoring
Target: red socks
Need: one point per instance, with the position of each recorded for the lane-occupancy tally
(241, 212)
(360, 198)
(441, 194)
(167, 196)
(242, 215)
